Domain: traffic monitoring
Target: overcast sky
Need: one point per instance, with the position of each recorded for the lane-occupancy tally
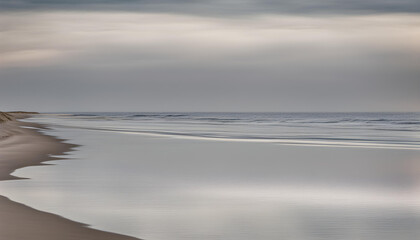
(210, 55)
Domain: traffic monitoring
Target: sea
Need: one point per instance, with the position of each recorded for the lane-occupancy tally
(232, 176)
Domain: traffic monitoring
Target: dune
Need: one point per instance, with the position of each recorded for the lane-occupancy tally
(6, 117)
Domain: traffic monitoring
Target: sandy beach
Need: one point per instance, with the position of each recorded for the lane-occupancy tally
(21, 145)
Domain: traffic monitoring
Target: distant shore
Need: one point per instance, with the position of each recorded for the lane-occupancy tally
(22, 145)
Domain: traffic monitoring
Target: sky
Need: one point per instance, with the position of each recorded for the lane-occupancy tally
(210, 55)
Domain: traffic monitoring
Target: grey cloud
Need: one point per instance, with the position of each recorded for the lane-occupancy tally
(223, 7)
(352, 85)
(138, 62)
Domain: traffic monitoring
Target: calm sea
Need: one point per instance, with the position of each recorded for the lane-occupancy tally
(234, 176)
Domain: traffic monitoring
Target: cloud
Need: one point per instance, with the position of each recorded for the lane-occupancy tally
(147, 40)
(170, 62)
(29, 58)
(222, 7)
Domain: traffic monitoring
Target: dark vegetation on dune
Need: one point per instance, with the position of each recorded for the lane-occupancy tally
(10, 116)
(6, 117)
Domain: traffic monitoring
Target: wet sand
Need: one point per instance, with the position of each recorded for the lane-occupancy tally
(21, 145)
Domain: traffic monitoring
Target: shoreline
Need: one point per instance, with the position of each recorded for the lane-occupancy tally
(22, 145)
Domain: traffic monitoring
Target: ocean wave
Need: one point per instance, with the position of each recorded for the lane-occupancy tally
(282, 140)
(298, 119)
(84, 115)
(159, 115)
(366, 130)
